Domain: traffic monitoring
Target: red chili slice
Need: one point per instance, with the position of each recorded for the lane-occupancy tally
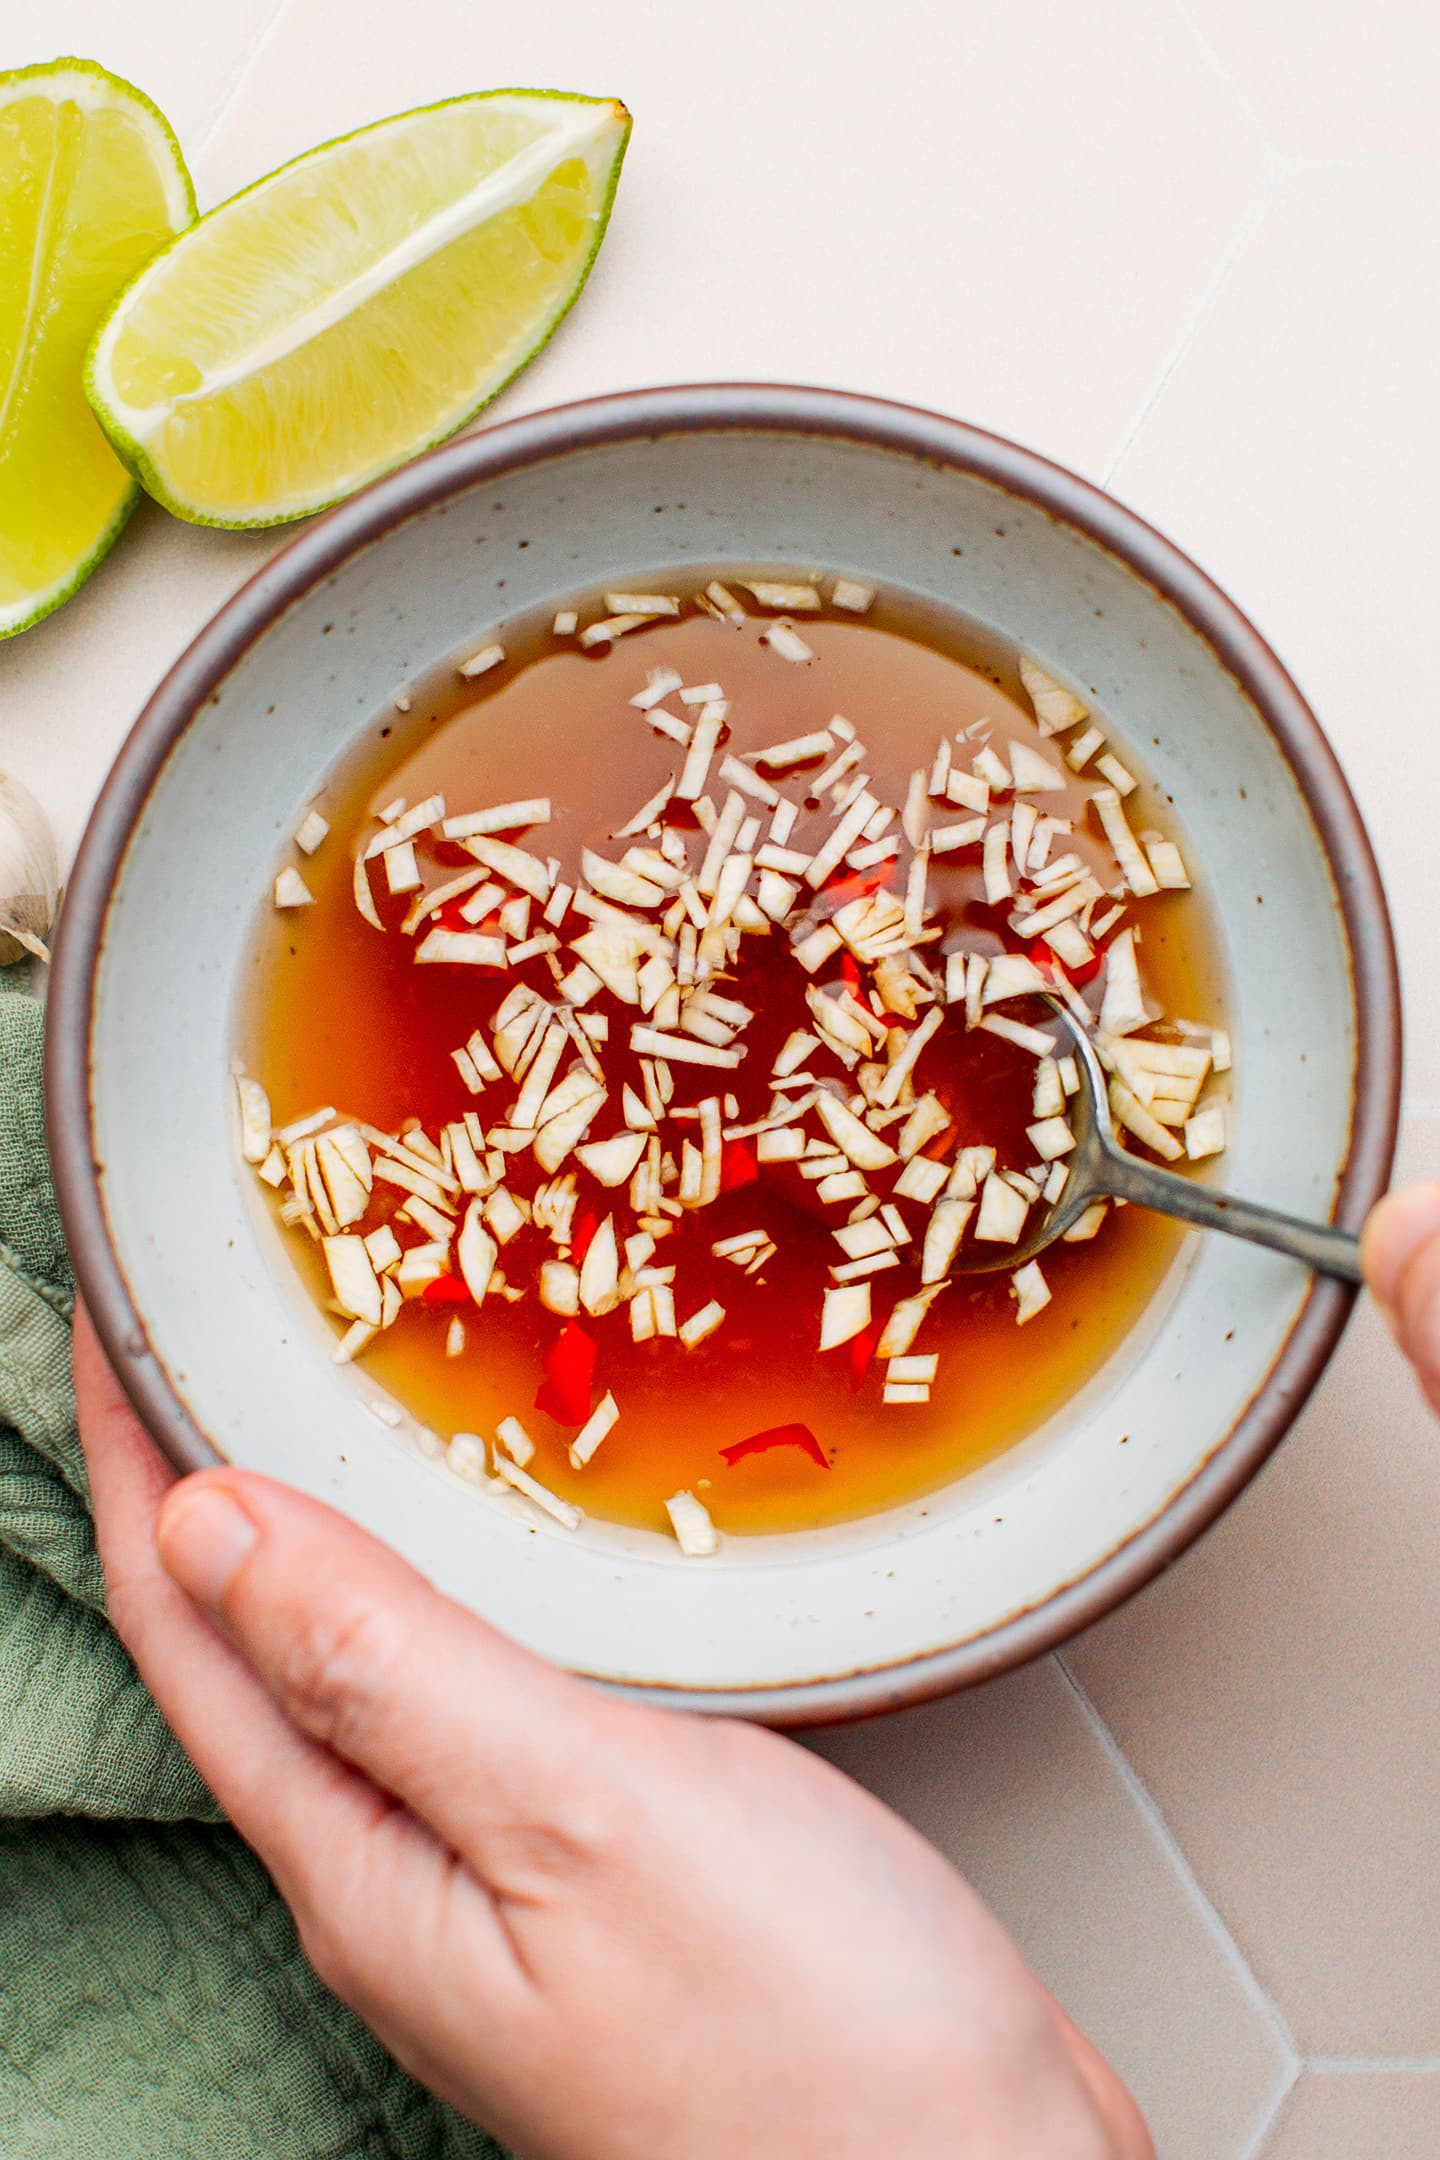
(850, 972)
(760, 1443)
(585, 1230)
(861, 1348)
(738, 1165)
(1045, 960)
(856, 885)
(445, 1290)
(569, 1376)
(448, 917)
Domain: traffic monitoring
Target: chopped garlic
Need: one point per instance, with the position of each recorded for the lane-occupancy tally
(846, 1313)
(788, 643)
(310, 832)
(943, 1233)
(1168, 865)
(1122, 1009)
(1032, 1292)
(480, 663)
(602, 1420)
(1056, 708)
(1051, 1138)
(517, 1443)
(853, 1136)
(1078, 756)
(1205, 1132)
(291, 891)
(254, 1119)
(1128, 852)
(476, 1252)
(549, 1503)
(502, 817)
(694, 1531)
(701, 1324)
(1025, 1038)
(1032, 774)
(921, 1369)
(922, 1180)
(905, 1321)
(1119, 776)
(997, 863)
(353, 1278)
(1002, 1212)
(787, 599)
(1011, 975)
(851, 595)
(1132, 1114)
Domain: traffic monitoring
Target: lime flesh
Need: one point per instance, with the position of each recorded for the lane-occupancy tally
(91, 184)
(357, 305)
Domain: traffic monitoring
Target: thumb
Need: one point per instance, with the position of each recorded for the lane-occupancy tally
(475, 1735)
(1400, 1252)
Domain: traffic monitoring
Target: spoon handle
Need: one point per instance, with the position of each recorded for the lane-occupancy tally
(1332, 1252)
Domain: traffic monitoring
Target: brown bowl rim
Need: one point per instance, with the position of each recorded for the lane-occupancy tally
(932, 439)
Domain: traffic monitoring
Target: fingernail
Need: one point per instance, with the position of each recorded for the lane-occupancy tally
(202, 1538)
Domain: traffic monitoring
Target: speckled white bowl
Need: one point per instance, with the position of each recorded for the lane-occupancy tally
(183, 1272)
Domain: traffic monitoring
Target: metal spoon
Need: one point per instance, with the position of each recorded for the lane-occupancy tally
(1100, 1169)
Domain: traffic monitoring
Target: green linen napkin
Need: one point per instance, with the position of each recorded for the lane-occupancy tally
(154, 1999)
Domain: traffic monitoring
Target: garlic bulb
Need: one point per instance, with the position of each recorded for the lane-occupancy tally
(29, 874)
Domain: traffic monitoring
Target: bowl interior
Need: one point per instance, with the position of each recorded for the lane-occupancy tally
(974, 1575)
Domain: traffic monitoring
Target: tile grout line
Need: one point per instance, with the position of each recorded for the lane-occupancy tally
(1223, 73)
(261, 40)
(1260, 2002)
(1277, 172)
(1374, 2066)
(1255, 2150)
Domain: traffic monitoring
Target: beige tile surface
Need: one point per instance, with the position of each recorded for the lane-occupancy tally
(1338, 78)
(1277, 1693)
(1359, 2115)
(1015, 1785)
(189, 63)
(1294, 451)
(1003, 211)
(70, 688)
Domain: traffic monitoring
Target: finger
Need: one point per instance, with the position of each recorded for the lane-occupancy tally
(1417, 1316)
(128, 1475)
(287, 1797)
(1123, 2123)
(487, 1743)
(1397, 1228)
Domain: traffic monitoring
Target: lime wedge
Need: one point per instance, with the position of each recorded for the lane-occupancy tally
(357, 305)
(91, 183)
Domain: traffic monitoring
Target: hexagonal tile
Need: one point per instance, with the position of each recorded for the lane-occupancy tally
(1341, 2114)
(1010, 219)
(1294, 451)
(1016, 1786)
(1276, 1690)
(1345, 78)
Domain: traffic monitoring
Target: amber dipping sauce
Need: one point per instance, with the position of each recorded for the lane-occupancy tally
(335, 1013)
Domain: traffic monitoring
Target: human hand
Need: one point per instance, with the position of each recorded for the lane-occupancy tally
(601, 1930)
(1400, 1253)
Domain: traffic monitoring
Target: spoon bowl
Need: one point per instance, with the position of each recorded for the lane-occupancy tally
(1100, 1168)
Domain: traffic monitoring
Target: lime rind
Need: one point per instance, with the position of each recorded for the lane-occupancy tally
(88, 77)
(131, 450)
(12, 622)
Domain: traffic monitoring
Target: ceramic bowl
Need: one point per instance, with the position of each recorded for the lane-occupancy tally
(184, 1273)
